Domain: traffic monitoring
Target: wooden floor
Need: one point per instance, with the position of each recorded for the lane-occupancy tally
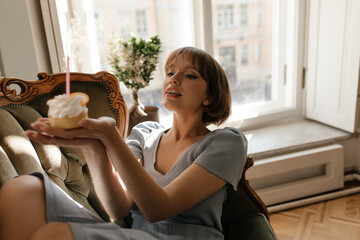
(331, 220)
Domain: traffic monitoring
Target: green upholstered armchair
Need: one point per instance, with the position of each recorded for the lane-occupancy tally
(244, 216)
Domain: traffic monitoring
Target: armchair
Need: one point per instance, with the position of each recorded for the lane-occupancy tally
(244, 214)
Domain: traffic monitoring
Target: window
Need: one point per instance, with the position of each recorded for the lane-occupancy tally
(244, 18)
(245, 55)
(123, 17)
(225, 16)
(257, 14)
(262, 50)
(257, 52)
(333, 63)
(141, 22)
(260, 59)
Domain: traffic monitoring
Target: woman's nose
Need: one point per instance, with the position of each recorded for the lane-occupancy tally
(174, 80)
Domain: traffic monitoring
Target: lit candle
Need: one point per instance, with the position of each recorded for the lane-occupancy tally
(67, 77)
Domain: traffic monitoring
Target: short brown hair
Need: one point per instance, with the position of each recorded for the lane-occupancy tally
(218, 87)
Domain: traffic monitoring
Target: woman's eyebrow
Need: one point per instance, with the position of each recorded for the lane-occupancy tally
(188, 67)
(192, 68)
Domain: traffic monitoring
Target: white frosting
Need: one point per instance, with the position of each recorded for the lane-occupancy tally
(62, 106)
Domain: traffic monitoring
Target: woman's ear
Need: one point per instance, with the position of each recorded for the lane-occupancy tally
(207, 101)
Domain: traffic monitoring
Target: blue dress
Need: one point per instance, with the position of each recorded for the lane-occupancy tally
(222, 152)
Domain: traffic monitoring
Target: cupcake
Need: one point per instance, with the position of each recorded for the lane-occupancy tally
(66, 112)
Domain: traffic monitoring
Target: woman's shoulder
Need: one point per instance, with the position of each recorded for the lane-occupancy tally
(223, 152)
(228, 134)
(224, 138)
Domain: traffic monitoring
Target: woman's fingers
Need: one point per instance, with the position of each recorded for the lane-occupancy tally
(87, 136)
(39, 137)
(47, 139)
(89, 128)
(44, 127)
(44, 120)
(62, 142)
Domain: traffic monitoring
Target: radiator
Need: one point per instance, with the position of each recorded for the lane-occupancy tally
(297, 175)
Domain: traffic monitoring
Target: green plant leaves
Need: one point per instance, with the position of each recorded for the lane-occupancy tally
(134, 59)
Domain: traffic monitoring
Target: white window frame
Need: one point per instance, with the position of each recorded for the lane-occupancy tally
(293, 60)
(53, 36)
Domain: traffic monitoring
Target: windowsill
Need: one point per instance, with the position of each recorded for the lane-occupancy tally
(291, 135)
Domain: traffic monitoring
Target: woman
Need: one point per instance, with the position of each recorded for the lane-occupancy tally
(173, 181)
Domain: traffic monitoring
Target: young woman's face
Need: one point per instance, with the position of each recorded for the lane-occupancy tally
(184, 89)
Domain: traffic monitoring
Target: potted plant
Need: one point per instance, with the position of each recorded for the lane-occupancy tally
(133, 61)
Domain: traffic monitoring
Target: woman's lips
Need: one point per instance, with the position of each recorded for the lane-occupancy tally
(172, 92)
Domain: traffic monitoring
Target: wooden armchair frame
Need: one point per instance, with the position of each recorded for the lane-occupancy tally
(250, 191)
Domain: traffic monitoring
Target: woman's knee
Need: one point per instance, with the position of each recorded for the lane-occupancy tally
(21, 188)
(54, 231)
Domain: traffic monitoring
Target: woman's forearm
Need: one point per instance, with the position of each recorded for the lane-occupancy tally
(147, 194)
(107, 183)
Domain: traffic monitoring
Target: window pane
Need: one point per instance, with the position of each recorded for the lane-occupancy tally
(87, 25)
(244, 48)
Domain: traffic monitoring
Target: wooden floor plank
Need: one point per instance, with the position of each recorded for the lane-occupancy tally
(337, 219)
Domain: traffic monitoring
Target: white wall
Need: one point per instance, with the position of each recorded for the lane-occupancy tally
(23, 48)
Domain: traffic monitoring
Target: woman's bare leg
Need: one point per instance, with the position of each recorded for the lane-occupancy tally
(22, 207)
(54, 231)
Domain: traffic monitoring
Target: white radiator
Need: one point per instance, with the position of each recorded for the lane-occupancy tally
(291, 176)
